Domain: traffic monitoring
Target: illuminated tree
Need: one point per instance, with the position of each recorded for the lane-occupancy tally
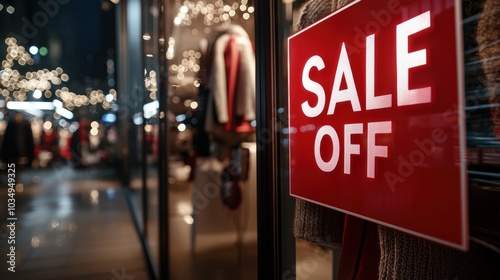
(15, 86)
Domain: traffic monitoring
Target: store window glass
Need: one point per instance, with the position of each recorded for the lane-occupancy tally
(209, 46)
(151, 42)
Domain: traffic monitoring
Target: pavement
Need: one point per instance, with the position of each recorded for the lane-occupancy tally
(68, 224)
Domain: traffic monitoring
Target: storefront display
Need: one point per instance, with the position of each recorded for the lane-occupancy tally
(224, 139)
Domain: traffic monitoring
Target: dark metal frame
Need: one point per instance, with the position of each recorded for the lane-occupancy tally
(276, 244)
(164, 259)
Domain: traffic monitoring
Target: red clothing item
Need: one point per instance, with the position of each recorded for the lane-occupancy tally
(231, 59)
(360, 253)
(232, 63)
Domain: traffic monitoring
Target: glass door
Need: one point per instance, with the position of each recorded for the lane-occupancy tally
(210, 135)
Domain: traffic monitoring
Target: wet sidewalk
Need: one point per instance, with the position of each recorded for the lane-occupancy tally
(70, 224)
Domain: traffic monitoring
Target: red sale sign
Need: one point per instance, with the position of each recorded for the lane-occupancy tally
(376, 116)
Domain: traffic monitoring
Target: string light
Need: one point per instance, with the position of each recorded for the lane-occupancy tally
(210, 15)
(189, 63)
(218, 12)
(15, 86)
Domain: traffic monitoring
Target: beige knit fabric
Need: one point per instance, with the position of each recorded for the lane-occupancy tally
(315, 10)
(403, 256)
(318, 224)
